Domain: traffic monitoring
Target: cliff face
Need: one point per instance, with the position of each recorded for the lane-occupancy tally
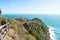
(23, 29)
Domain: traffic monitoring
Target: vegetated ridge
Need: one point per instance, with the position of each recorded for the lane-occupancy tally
(24, 29)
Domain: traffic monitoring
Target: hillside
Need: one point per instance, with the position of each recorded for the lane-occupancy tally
(24, 29)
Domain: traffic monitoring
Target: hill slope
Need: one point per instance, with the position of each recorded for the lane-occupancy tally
(24, 29)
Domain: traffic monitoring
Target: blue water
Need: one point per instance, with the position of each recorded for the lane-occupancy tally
(53, 20)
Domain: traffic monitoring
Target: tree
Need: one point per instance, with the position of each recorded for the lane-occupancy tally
(0, 16)
(0, 12)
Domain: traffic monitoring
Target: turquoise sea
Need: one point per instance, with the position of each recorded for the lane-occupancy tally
(51, 20)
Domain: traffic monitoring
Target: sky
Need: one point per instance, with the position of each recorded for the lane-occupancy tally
(30, 6)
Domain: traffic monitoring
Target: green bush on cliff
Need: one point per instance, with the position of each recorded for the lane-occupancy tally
(13, 23)
(37, 28)
(15, 27)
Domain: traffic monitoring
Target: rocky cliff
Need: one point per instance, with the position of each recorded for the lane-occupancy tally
(24, 29)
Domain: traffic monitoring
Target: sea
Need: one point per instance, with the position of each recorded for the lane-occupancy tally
(51, 20)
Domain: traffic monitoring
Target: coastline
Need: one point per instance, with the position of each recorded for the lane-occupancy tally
(51, 34)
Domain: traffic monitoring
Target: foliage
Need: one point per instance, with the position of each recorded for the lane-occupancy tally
(15, 27)
(37, 28)
(0, 12)
(27, 37)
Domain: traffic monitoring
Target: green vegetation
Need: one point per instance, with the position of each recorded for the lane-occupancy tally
(30, 30)
(0, 12)
(37, 28)
(27, 37)
(20, 29)
(15, 27)
(0, 16)
(13, 24)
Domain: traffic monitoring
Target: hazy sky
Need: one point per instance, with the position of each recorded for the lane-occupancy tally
(30, 6)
